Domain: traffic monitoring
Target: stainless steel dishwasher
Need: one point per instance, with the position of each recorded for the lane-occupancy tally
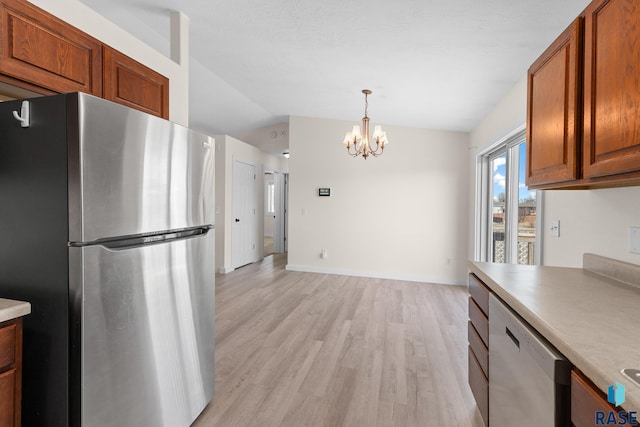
(528, 379)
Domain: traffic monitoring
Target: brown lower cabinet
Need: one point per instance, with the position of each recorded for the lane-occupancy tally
(478, 335)
(587, 401)
(479, 384)
(10, 373)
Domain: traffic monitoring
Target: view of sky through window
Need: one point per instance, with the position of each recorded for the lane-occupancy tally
(500, 177)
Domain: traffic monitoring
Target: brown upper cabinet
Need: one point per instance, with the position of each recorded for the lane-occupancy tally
(42, 53)
(45, 51)
(612, 88)
(553, 110)
(130, 83)
(583, 118)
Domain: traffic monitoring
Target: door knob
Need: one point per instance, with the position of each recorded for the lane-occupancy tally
(237, 220)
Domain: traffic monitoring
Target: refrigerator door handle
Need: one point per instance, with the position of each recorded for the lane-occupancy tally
(137, 241)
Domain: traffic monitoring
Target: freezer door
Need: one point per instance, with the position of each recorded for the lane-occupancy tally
(133, 173)
(143, 333)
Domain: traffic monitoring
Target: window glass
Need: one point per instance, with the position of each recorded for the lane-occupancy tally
(498, 207)
(507, 221)
(526, 213)
(271, 198)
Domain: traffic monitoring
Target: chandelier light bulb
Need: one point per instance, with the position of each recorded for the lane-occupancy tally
(377, 132)
(347, 139)
(356, 132)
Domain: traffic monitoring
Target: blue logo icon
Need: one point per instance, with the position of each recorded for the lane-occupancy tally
(615, 394)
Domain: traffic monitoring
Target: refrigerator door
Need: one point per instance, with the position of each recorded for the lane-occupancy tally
(143, 331)
(132, 173)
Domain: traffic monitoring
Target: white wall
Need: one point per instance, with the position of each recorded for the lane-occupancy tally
(86, 19)
(595, 221)
(272, 139)
(397, 216)
(229, 149)
(509, 114)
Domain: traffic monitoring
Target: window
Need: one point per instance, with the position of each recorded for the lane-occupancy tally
(507, 221)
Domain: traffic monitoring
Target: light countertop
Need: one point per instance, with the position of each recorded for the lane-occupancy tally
(11, 309)
(592, 320)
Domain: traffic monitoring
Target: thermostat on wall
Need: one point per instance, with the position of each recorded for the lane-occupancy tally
(324, 192)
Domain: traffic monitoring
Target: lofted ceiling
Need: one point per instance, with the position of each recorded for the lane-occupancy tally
(440, 64)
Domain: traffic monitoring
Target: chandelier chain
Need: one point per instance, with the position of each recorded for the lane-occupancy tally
(366, 104)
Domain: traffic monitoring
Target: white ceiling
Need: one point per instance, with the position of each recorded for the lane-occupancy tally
(440, 64)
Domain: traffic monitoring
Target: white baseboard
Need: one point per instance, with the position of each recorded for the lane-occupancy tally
(345, 272)
(225, 270)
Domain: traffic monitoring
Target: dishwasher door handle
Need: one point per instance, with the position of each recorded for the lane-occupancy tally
(513, 337)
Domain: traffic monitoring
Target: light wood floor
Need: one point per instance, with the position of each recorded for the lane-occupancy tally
(303, 349)
(268, 245)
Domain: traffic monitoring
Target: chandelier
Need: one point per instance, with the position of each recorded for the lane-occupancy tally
(360, 141)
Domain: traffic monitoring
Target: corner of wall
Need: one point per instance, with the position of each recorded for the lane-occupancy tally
(220, 153)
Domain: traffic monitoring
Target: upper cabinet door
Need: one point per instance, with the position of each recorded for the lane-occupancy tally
(132, 84)
(553, 111)
(40, 49)
(612, 88)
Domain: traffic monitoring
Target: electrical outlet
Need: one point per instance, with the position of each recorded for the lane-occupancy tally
(555, 228)
(324, 254)
(634, 240)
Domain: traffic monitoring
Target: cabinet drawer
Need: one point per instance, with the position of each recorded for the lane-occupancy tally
(479, 387)
(479, 320)
(585, 401)
(479, 349)
(7, 347)
(480, 293)
(7, 399)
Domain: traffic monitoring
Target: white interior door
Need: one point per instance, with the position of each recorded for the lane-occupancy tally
(244, 219)
(278, 235)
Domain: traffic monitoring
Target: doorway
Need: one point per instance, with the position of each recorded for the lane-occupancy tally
(269, 212)
(275, 218)
(244, 219)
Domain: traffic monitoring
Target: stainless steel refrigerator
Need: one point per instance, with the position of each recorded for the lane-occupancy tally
(106, 228)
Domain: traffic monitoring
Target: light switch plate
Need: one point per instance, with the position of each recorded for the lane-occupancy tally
(634, 240)
(555, 228)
